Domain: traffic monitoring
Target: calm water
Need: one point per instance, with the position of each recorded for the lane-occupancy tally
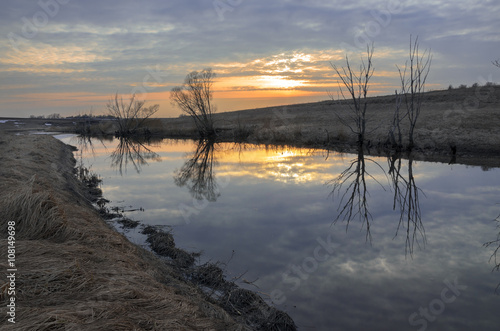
(414, 262)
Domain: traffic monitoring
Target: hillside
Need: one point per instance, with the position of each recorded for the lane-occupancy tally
(467, 118)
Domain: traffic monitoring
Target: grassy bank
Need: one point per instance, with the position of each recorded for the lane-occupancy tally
(73, 271)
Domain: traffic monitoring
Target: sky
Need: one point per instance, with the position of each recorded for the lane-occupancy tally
(71, 56)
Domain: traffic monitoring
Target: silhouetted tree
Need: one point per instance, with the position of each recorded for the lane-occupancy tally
(194, 98)
(54, 116)
(130, 115)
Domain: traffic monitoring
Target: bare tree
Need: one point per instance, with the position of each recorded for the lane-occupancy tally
(131, 115)
(395, 128)
(357, 89)
(413, 77)
(54, 116)
(194, 98)
(496, 63)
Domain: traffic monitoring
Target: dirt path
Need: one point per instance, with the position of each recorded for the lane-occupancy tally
(73, 271)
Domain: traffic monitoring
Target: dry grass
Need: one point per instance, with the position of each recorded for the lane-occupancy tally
(34, 212)
(56, 294)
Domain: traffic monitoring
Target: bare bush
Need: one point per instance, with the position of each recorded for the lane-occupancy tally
(131, 115)
(194, 98)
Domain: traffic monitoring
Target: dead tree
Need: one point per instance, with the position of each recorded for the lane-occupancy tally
(357, 85)
(194, 98)
(131, 115)
(413, 77)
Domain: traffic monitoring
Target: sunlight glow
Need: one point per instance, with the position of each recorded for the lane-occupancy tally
(279, 82)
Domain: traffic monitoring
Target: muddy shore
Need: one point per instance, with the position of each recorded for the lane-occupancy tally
(73, 271)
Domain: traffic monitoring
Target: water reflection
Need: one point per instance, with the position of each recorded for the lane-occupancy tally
(133, 151)
(86, 144)
(351, 190)
(277, 199)
(407, 199)
(495, 255)
(197, 173)
(351, 187)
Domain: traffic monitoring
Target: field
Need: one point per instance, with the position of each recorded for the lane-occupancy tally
(463, 123)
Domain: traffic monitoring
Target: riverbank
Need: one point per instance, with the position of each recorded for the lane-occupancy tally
(72, 271)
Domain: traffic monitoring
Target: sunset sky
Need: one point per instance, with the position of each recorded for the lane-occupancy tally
(71, 56)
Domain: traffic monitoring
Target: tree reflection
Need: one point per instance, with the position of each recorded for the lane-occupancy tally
(132, 151)
(351, 187)
(406, 198)
(197, 172)
(494, 256)
(85, 143)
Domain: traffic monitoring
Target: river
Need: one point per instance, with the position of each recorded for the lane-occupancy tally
(338, 241)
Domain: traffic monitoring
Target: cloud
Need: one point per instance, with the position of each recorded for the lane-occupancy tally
(107, 46)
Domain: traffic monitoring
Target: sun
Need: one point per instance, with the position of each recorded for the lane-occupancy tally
(279, 82)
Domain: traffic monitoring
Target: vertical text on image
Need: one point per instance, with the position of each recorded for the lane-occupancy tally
(11, 271)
